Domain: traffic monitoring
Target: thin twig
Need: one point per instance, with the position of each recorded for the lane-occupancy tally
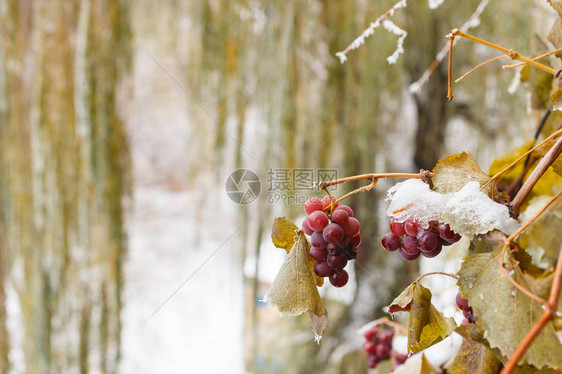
(357, 190)
(385, 321)
(511, 53)
(546, 316)
(534, 59)
(437, 272)
(451, 37)
(537, 173)
(370, 176)
(480, 65)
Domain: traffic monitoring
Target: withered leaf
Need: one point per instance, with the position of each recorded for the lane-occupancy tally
(426, 326)
(294, 289)
(453, 172)
(504, 312)
(403, 301)
(474, 358)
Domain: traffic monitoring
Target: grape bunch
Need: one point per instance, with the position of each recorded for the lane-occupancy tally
(411, 239)
(334, 236)
(378, 345)
(466, 310)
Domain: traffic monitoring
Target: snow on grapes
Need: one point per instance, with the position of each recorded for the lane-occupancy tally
(468, 212)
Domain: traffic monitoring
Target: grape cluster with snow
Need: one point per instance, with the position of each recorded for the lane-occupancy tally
(468, 212)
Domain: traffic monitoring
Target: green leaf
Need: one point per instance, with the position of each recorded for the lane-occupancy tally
(474, 358)
(505, 313)
(426, 326)
(487, 242)
(294, 289)
(453, 172)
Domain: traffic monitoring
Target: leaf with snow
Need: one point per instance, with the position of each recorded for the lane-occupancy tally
(426, 326)
(453, 172)
(294, 289)
(509, 318)
(468, 211)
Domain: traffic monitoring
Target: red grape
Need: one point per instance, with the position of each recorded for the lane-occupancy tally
(355, 240)
(333, 233)
(382, 351)
(348, 210)
(334, 248)
(411, 227)
(370, 334)
(318, 220)
(390, 242)
(397, 228)
(307, 230)
(340, 216)
(408, 257)
(433, 253)
(317, 240)
(369, 347)
(351, 227)
(313, 204)
(318, 254)
(427, 240)
(337, 261)
(386, 337)
(410, 245)
(322, 269)
(372, 361)
(461, 303)
(339, 278)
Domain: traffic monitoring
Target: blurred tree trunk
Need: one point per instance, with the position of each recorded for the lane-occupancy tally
(64, 162)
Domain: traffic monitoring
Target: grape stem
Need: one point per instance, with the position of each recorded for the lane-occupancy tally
(437, 272)
(386, 321)
(534, 59)
(373, 177)
(547, 314)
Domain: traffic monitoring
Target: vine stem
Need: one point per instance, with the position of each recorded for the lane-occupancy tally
(508, 167)
(509, 52)
(439, 273)
(534, 59)
(547, 315)
(386, 321)
(423, 174)
(537, 173)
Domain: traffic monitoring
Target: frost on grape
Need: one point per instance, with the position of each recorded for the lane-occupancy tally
(468, 211)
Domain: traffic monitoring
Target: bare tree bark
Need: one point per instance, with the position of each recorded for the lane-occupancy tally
(64, 172)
